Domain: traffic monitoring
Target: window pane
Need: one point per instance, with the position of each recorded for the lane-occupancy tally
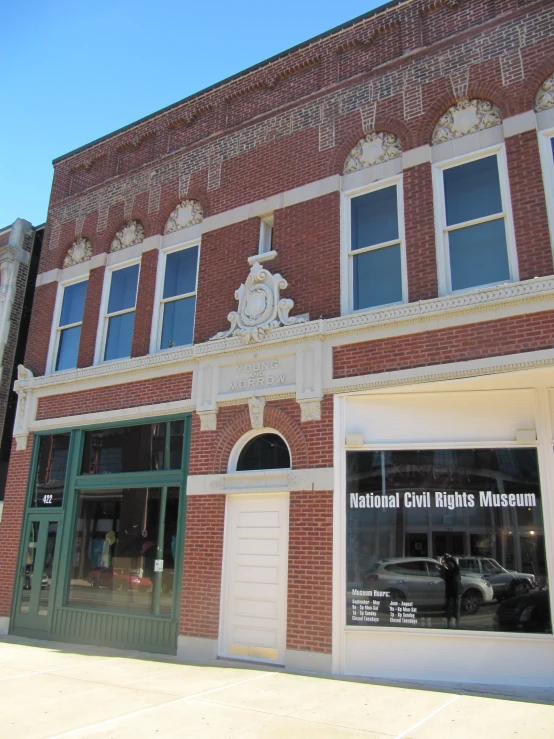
(180, 272)
(178, 322)
(374, 218)
(177, 430)
(169, 550)
(473, 511)
(120, 336)
(264, 452)
(472, 190)
(552, 145)
(68, 349)
(123, 288)
(377, 277)
(124, 449)
(114, 549)
(73, 303)
(53, 450)
(478, 255)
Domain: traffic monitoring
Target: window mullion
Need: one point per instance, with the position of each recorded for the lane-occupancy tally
(374, 247)
(475, 222)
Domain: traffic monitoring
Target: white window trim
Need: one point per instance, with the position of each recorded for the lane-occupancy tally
(157, 313)
(55, 331)
(102, 330)
(443, 262)
(266, 234)
(347, 260)
(547, 163)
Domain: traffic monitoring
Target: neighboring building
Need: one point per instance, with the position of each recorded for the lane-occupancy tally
(373, 213)
(20, 246)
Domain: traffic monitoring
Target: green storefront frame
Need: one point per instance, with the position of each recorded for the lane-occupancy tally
(68, 623)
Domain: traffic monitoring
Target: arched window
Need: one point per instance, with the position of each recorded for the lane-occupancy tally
(264, 452)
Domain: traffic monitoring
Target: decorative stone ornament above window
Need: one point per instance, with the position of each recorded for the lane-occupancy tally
(545, 96)
(260, 307)
(187, 213)
(79, 251)
(131, 233)
(467, 116)
(375, 148)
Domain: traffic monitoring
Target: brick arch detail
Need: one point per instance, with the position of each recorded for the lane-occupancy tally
(533, 81)
(443, 102)
(274, 418)
(383, 124)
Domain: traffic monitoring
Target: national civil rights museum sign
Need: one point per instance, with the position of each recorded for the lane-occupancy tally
(446, 538)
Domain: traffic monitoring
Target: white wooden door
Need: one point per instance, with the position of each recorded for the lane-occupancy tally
(255, 568)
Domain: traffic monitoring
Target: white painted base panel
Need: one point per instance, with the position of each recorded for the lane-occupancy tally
(308, 661)
(4, 625)
(196, 649)
(460, 658)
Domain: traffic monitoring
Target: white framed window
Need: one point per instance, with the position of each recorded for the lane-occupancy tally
(373, 264)
(473, 221)
(546, 146)
(66, 326)
(266, 234)
(118, 308)
(175, 302)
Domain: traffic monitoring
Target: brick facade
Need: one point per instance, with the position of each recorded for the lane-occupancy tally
(278, 136)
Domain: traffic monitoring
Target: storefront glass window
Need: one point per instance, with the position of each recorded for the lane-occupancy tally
(123, 555)
(53, 451)
(446, 539)
(132, 448)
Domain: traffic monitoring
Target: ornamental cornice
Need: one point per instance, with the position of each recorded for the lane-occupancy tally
(131, 233)
(418, 376)
(374, 148)
(188, 357)
(187, 213)
(545, 95)
(79, 251)
(467, 116)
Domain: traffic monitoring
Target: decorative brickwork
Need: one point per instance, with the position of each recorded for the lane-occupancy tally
(461, 343)
(114, 397)
(310, 571)
(12, 519)
(203, 559)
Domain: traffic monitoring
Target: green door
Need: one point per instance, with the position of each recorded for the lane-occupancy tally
(34, 586)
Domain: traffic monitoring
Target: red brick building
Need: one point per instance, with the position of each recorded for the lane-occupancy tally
(292, 344)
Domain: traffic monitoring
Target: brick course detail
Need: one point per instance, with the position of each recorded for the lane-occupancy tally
(114, 397)
(474, 341)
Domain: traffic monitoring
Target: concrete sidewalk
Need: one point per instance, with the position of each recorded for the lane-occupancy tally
(57, 690)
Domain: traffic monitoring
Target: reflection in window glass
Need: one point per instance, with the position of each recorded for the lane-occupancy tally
(446, 539)
(264, 452)
(121, 312)
(119, 545)
(138, 448)
(375, 249)
(179, 298)
(69, 329)
(477, 250)
(53, 450)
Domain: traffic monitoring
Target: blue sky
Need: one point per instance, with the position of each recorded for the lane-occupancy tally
(75, 71)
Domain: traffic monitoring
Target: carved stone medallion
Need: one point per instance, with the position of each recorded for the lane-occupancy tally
(467, 116)
(79, 251)
(260, 307)
(545, 96)
(375, 148)
(131, 233)
(187, 213)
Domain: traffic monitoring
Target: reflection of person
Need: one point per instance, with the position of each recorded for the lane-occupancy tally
(450, 573)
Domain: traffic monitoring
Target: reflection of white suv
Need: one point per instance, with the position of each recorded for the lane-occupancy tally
(418, 579)
(505, 583)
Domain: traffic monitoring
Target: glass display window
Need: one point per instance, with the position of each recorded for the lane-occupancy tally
(446, 539)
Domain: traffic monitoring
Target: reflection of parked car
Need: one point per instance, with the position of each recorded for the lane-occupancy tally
(505, 583)
(530, 612)
(28, 581)
(418, 579)
(119, 579)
